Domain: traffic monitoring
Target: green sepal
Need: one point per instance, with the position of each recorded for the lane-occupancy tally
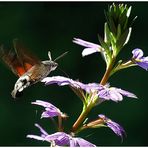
(103, 44)
(123, 19)
(127, 18)
(115, 69)
(107, 38)
(110, 23)
(107, 52)
(124, 38)
(122, 65)
(118, 31)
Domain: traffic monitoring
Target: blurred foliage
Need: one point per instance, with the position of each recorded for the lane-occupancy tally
(44, 26)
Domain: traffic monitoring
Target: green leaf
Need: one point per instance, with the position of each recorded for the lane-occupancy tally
(118, 31)
(103, 44)
(106, 34)
(107, 53)
(129, 11)
(124, 38)
(110, 23)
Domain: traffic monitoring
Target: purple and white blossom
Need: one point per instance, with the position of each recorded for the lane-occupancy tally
(60, 139)
(90, 47)
(50, 110)
(139, 59)
(117, 31)
(104, 92)
(62, 81)
(115, 127)
(114, 94)
(80, 142)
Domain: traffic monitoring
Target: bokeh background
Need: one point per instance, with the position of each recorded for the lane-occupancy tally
(44, 26)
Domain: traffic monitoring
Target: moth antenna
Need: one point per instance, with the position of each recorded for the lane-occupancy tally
(49, 55)
(62, 55)
(63, 72)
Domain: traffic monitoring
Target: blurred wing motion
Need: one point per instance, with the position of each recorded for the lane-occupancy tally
(19, 61)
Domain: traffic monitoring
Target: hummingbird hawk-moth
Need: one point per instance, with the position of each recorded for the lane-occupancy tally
(26, 66)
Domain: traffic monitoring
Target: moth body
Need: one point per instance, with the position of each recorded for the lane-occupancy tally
(33, 75)
(26, 66)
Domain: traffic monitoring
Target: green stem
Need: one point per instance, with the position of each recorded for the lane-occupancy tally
(81, 118)
(84, 113)
(123, 66)
(60, 129)
(107, 73)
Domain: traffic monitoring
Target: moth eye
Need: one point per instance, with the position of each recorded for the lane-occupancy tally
(24, 81)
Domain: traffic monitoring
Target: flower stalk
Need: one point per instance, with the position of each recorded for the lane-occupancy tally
(117, 31)
(107, 73)
(81, 118)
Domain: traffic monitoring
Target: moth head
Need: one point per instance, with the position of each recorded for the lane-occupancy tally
(51, 64)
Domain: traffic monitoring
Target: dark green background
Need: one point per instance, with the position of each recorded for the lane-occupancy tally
(44, 26)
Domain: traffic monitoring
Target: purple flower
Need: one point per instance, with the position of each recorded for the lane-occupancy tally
(139, 59)
(114, 94)
(103, 92)
(62, 81)
(60, 139)
(115, 127)
(80, 142)
(90, 47)
(50, 110)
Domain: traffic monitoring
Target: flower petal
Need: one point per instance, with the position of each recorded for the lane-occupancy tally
(126, 93)
(50, 114)
(60, 138)
(114, 94)
(137, 53)
(143, 63)
(91, 47)
(85, 43)
(50, 110)
(80, 142)
(104, 92)
(35, 137)
(43, 103)
(115, 127)
(61, 81)
(139, 59)
(88, 51)
(43, 132)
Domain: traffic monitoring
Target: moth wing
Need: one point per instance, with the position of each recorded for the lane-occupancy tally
(19, 61)
(11, 60)
(26, 58)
